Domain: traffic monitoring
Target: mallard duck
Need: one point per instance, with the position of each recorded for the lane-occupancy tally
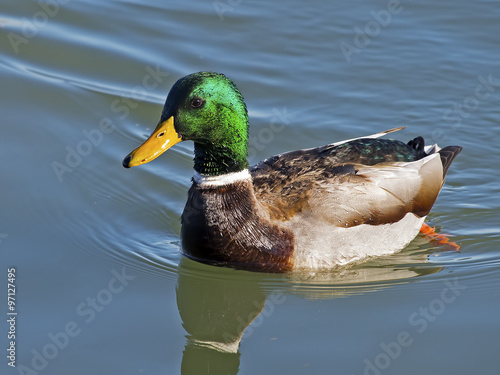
(301, 210)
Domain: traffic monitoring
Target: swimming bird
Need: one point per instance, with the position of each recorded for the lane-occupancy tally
(309, 209)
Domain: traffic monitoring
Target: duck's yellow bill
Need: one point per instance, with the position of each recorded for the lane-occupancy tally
(163, 137)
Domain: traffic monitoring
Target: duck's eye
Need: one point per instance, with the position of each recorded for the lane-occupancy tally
(161, 134)
(197, 102)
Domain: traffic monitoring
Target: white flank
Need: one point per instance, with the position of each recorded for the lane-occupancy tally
(339, 246)
(222, 180)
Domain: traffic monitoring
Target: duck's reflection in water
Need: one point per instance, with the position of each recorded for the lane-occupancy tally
(215, 312)
(217, 305)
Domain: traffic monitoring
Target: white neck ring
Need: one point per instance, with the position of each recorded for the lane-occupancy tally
(222, 180)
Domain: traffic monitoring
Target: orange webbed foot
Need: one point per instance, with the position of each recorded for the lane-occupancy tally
(438, 239)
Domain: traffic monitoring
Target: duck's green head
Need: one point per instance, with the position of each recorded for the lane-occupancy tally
(208, 109)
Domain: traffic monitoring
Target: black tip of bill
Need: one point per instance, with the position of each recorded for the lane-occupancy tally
(126, 161)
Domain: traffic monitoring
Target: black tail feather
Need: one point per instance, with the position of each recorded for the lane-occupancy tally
(447, 154)
(417, 144)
